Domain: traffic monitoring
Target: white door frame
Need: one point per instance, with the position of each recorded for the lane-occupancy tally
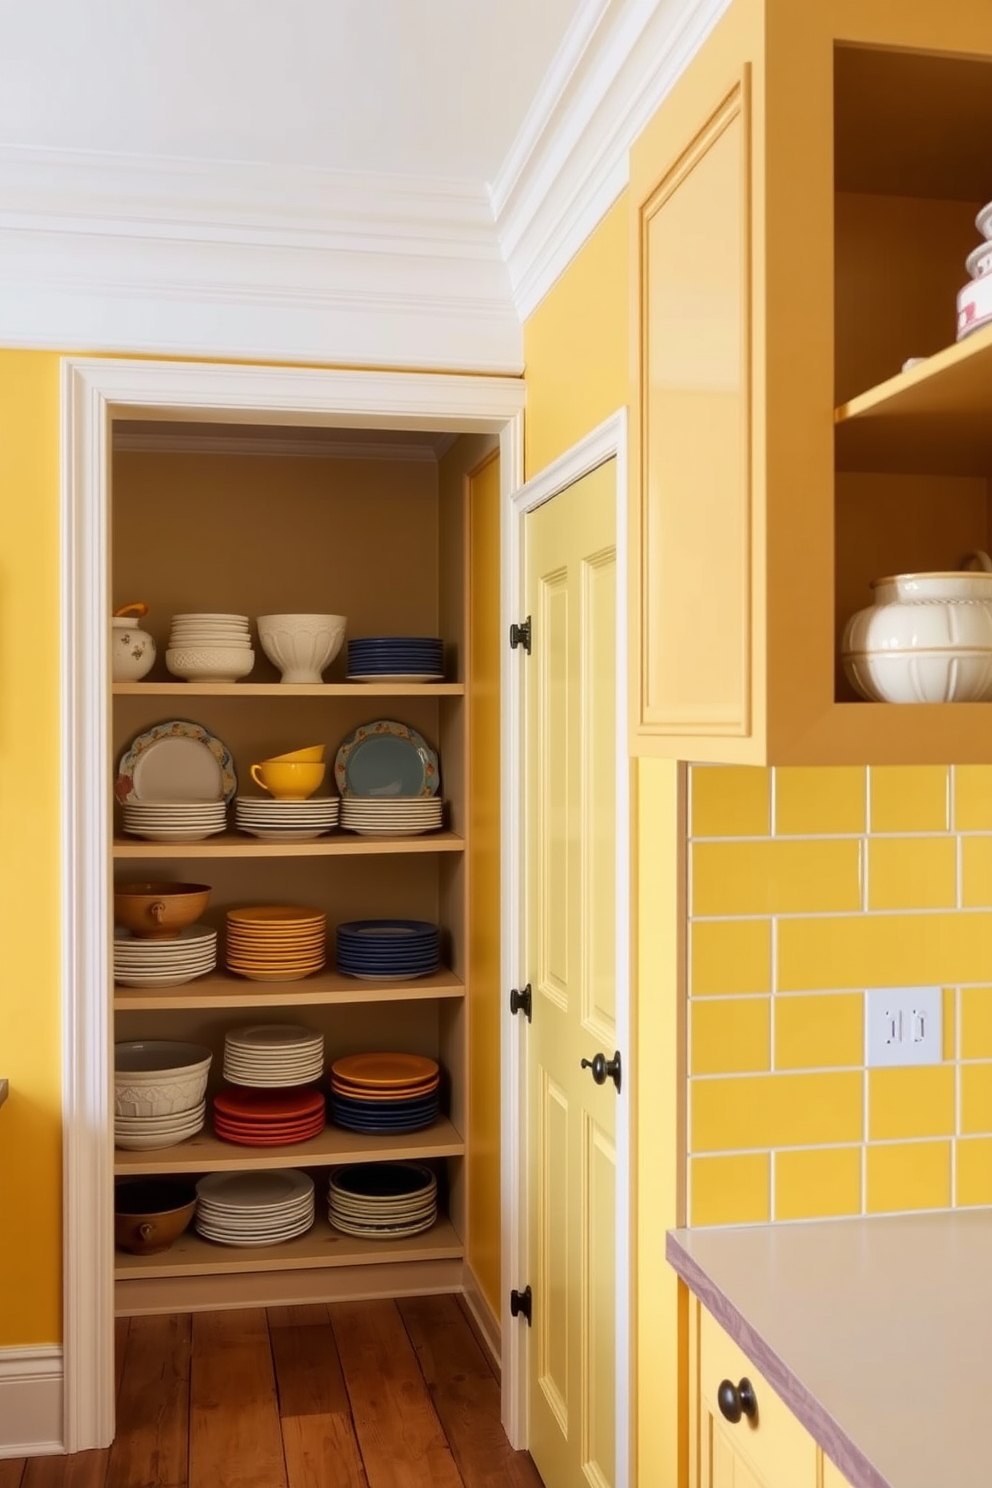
(607, 441)
(94, 392)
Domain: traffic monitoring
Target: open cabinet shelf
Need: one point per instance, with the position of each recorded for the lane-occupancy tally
(330, 988)
(231, 845)
(324, 690)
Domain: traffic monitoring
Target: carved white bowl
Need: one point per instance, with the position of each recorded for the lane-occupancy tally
(926, 639)
(210, 663)
(157, 1077)
(301, 646)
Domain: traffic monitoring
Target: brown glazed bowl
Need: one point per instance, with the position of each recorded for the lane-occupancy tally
(158, 911)
(149, 1214)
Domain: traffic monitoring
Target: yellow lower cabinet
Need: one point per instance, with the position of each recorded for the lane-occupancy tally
(765, 1447)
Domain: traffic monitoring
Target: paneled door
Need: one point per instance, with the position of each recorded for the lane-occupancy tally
(571, 570)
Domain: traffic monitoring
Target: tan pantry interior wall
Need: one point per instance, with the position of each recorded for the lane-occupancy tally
(30, 892)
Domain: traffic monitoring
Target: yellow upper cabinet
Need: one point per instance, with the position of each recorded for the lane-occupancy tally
(803, 204)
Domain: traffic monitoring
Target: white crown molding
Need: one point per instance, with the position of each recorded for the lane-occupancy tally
(223, 259)
(569, 162)
(31, 1401)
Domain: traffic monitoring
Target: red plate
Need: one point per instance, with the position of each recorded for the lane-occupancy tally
(243, 1139)
(270, 1128)
(246, 1103)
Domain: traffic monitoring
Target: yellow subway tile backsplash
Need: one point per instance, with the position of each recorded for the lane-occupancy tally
(814, 1183)
(729, 956)
(976, 872)
(976, 1098)
(819, 800)
(973, 1171)
(776, 877)
(908, 1175)
(729, 1190)
(908, 798)
(729, 1035)
(973, 798)
(976, 1022)
(917, 1101)
(884, 950)
(740, 1113)
(729, 801)
(912, 872)
(819, 1032)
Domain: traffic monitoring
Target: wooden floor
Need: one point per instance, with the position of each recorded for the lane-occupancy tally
(349, 1395)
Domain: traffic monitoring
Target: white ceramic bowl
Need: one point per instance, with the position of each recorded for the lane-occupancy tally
(210, 663)
(979, 260)
(974, 305)
(921, 676)
(984, 221)
(301, 646)
(157, 1077)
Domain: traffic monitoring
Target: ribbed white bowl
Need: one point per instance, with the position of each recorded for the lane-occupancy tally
(210, 663)
(301, 646)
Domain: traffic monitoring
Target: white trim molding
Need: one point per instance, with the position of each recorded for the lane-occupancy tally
(607, 441)
(31, 1401)
(220, 259)
(97, 397)
(569, 162)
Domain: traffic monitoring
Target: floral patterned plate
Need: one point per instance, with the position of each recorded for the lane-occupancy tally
(386, 758)
(176, 761)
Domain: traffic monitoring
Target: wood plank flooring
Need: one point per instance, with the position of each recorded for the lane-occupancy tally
(348, 1395)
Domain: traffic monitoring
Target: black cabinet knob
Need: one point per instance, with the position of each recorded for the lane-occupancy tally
(604, 1069)
(736, 1400)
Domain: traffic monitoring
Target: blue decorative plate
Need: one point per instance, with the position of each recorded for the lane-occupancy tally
(386, 758)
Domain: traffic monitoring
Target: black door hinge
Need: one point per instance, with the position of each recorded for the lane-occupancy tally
(520, 1303)
(520, 635)
(521, 1001)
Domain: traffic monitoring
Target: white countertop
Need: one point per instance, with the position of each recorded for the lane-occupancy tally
(877, 1333)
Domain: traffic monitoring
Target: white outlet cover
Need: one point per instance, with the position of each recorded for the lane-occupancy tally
(903, 1025)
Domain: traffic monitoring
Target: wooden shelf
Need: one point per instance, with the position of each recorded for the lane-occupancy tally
(206, 1153)
(191, 1255)
(232, 845)
(328, 988)
(935, 419)
(279, 689)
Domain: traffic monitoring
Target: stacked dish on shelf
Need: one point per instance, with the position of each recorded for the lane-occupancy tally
(273, 1055)
(177, 760)
(254, 1208)
(382, 1201)
(268, 1118)
(139, 962)
(388, 777)
(373, 949)
(392, 816)
(396, 659)
(174, 821)
(276, 820)
(159, 1089)
(210, 647)
(276, 942)
(975, 299)
(385, 1093)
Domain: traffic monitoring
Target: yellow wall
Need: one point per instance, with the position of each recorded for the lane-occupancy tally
(807, 886)
(30, 1122)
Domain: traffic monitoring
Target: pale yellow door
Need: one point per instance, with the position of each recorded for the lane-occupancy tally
(571, 957)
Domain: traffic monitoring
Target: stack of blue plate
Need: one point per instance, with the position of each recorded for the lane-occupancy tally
(395, 659)
(388, 948)
(384, 1116)
(385, 1092)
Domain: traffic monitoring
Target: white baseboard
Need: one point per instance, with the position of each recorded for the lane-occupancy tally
(31, 1401)
(484, 1320)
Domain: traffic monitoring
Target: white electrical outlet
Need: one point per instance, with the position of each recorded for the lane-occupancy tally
(903, 1025)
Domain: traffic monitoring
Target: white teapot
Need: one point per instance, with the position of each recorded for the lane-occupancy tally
(132, 650)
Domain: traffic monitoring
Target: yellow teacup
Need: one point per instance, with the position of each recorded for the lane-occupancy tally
(292, 780)
(311, 756)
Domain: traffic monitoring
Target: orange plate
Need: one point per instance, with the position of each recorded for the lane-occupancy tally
(384, 1071)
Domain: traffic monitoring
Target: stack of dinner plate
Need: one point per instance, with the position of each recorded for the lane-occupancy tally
(391, 816)
(395, 659)
(384, 1092)
(268, 1118)
(174, 821)
(286, 821)
(159, 1088)
(273, 1055)
(139, 962)
(210, 647)
(382, 1201)
(276, 942)
(254, 1208)
(388, 948)
(207, 629)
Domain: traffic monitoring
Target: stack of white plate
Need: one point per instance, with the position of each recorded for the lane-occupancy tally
(273, 1055)
(174, 821)
(287, 821)
(139, 962)
(382, 1201)
(391, 816)
(159, 1088)
(210, 647)
(147, 1133)
(254, 1208)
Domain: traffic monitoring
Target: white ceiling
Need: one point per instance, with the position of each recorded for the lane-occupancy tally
(412, 87)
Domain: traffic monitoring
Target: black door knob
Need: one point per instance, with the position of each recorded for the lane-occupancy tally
(604, 1069)
(736, 1400)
